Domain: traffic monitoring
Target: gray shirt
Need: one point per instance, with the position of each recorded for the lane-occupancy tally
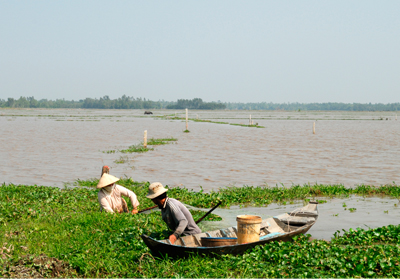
(178, 218)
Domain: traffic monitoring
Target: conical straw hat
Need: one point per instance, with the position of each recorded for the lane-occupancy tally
(156, 189)
(106, 180)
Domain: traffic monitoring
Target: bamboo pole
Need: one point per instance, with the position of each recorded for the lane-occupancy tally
(145, 139)
(186, 119)
(313, 128)
(250, 120)
(199, 220)
(148, 208)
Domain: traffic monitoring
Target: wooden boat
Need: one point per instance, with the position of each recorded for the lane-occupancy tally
(279, 228)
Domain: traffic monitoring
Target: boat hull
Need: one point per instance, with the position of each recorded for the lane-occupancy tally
(162, 248)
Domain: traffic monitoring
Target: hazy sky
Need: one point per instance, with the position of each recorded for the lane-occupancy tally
(232, 51)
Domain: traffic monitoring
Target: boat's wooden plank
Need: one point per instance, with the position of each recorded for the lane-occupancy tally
(266, 223)
(264, 231)
(271, 235)
(295, 220)
(274, 226)
(191, 241)
(228, 232)
(304, 213)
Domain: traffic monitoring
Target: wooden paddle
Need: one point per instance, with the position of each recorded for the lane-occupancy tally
(212, 209)
(198, 221)
(149, 208)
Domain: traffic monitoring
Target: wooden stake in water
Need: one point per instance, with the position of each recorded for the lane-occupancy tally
(186, 119)
(145, 139)
(396, 117)
(313, 128)
(250, 120)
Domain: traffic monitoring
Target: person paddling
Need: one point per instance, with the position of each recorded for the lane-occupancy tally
(110, 195)
(173, 212)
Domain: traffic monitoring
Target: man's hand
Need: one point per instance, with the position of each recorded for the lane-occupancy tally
(172, 238)
(135, 211)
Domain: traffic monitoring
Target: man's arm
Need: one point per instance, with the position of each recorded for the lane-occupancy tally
(104, 203)
(132, 197)
(179, 218)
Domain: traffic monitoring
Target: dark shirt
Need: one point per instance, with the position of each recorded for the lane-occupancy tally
(178, 218)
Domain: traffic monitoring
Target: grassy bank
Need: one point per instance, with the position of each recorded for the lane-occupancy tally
(61, 233)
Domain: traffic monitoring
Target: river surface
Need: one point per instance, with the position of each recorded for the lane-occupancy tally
(53, 147)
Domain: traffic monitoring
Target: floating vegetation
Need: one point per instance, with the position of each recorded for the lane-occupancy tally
(208, 121)
(352, 209)
(248, 125)
(136, 149)
(140, 148)
(160, 141)
(60, 233)
(186, 131)
(122, 159)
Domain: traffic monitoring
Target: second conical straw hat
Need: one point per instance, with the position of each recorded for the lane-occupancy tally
(106, 180)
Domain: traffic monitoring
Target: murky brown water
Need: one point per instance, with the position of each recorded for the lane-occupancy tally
(52, 147)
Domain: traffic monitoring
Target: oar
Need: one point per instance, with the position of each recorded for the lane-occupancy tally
(149, 208)
(212, 209)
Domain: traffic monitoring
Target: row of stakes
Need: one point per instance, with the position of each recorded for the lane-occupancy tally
(250, 123)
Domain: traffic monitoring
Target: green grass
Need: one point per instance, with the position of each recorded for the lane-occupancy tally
(67, 225)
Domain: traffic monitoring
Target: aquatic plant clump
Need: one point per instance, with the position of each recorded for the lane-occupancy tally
(64, 228)
(140, 148)
(160, 141)
(248, 125)
(136, 149)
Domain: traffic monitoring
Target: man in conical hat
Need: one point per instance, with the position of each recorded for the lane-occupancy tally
(110, 195)
(173, 212)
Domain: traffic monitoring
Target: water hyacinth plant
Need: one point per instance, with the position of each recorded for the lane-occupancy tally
(140, 148)
(60, 233)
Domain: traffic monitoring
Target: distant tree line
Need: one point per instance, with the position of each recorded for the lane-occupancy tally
(314, 106)
(104, 102)
(126, 102)
(123, 102)
(196, 103)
